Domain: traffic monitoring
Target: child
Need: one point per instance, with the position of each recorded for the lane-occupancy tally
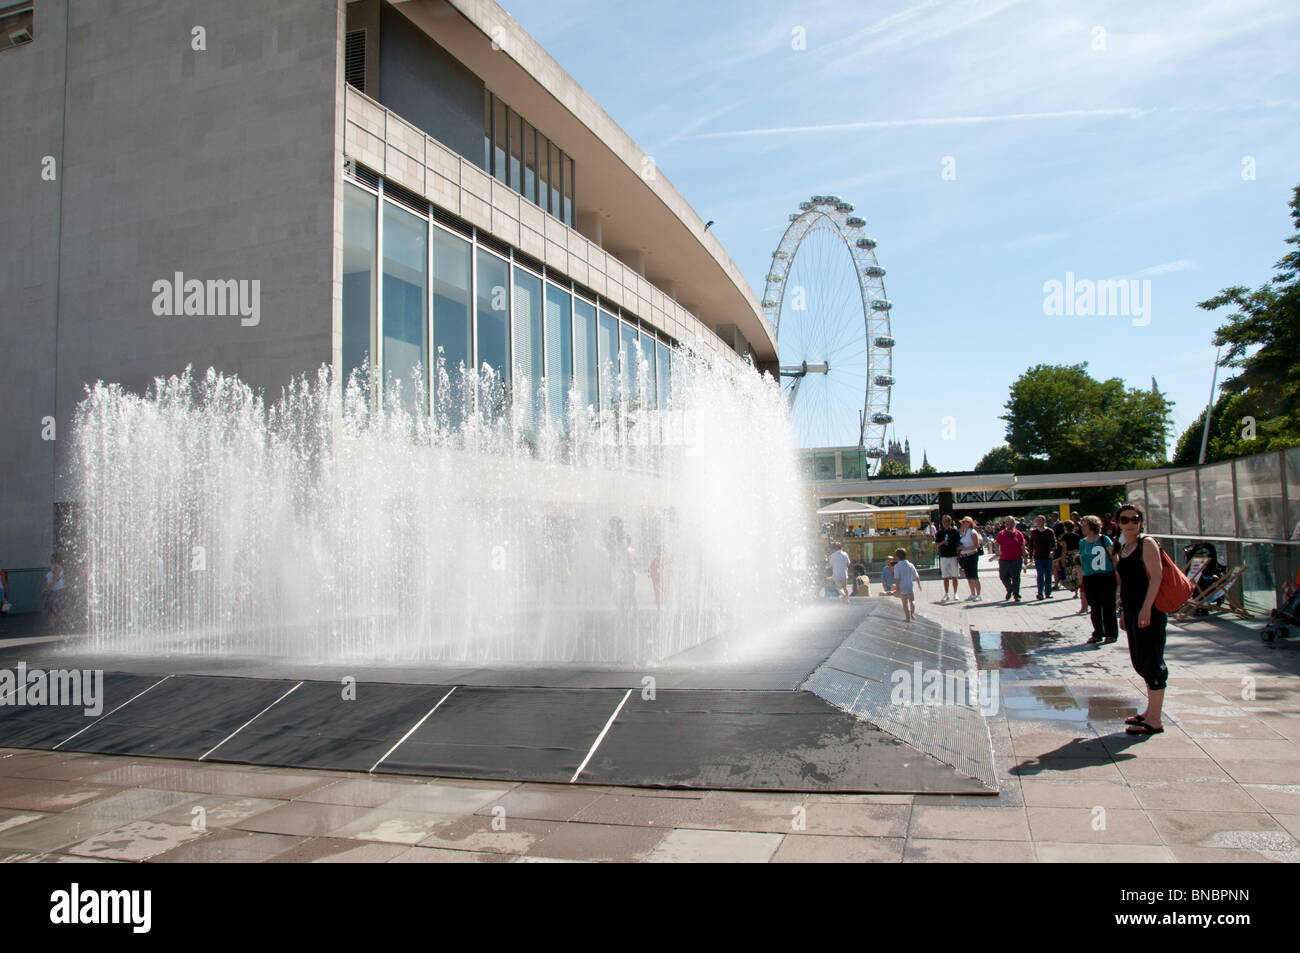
(887, 577)
(906, 576)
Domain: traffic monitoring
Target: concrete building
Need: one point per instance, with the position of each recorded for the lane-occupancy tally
(268, 187)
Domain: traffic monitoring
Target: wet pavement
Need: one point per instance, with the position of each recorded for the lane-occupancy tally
(1221, 784)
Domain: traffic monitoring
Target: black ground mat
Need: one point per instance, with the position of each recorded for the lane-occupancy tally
(318, 726)
(519, 734)
(792, 741)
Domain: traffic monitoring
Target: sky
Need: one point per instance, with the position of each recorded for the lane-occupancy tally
(992, 147)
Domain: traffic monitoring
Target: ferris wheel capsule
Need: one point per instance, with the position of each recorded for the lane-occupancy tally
(854, 221)
(874, 271)
(867, 243)
(881, 304)
(884, 341)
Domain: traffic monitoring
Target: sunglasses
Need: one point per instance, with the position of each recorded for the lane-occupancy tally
(1130, 519)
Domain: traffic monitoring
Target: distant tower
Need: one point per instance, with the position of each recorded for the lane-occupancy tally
(901, 452)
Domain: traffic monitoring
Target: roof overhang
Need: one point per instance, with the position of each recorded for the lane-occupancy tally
(645, 221)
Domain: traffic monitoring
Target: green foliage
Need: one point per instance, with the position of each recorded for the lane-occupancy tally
(999, 460)
(1262, 337)
(893, 468)
(926, 469)
(1060, 417)
(1226, 433)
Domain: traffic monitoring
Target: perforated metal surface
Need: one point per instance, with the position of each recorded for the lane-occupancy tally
(873, 675)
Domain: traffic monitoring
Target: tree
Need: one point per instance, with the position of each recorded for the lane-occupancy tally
(999, 460)
(1227, 439)
(893, 468)
(1262, 337)
(926, 469)
(1059, 416)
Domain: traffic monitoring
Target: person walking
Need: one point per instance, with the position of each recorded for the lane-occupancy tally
(1070, 563)
(1098, 580)
(948, 541)
(1010, 547)
(54, 591)
(907, 576)
(1139, 571)
(969, 557)
(1042, 543)
(839, 561)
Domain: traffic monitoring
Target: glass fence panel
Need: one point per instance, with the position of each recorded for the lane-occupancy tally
(1259, 496)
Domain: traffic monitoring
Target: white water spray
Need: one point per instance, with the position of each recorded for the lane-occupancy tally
(323, 529)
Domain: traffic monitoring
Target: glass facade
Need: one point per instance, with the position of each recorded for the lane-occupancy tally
(360, 242)
(520, 156)
(404, 293)
(430, 304)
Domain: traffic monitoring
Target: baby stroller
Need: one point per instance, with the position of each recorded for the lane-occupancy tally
(1279, 620)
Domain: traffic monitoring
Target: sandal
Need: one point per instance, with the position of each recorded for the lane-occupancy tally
(1095, 640)
(1143, 729)
(1135, 720)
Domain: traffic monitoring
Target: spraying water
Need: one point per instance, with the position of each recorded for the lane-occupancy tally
(331, 526)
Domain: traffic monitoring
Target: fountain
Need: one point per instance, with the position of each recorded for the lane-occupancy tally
(325, 528)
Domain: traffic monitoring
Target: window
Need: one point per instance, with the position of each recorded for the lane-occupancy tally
(530, 163)
(491, 314)
(609, 377)
(586, 364)
(17, 26)
(631, 368)
(406, 259)
(516, 151)
(359, 226)
(520, 156)
(559, 354)
(568, 192)
(664, 355)
(527, 346)
(649, 379)
(543, 170)
(499, 139)
(556, 173)
(451, 325)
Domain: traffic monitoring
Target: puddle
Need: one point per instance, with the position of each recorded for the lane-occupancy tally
(1028, 656)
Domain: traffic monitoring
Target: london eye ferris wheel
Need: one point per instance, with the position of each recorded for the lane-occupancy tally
(825, 298)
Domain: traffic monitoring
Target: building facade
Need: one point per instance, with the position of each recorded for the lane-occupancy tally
(266, 188)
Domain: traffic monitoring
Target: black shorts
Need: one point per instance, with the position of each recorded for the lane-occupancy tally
(970, 565)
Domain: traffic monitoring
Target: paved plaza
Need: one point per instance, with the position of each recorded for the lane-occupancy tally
(1222, 784)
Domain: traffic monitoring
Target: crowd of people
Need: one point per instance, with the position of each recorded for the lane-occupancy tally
(1108, 563)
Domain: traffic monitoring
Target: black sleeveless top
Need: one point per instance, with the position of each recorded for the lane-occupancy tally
(1133, 579)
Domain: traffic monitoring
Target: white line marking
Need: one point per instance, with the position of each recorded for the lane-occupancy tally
(114, 711)
(251, 720)
(601, 737)
(412, 731)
